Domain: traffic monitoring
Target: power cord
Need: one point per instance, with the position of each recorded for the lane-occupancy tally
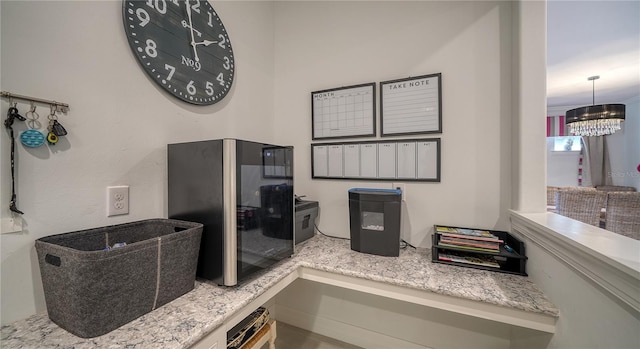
(405, 244)
(330, 236)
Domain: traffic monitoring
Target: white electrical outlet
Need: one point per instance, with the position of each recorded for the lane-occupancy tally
(117, 200)
(401, 187)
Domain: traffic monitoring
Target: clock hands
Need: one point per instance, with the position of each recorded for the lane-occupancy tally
(193, 41)
(205, 42)
(186, 25)
(194, 44)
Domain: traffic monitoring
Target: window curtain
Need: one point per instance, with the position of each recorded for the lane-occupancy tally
(556, 126)
(596, 160)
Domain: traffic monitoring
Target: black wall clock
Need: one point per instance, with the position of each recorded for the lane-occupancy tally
(183, 46)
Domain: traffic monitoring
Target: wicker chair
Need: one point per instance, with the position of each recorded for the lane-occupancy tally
(623, 214)
(614, 188)
(578, 188)
(551, 195)
(582, 205)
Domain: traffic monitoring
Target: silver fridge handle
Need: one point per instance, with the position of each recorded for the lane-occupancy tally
(230, 272)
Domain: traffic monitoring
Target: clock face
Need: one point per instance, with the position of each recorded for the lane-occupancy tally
(183, 46)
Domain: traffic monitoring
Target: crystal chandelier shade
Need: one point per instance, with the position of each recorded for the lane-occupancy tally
(595, 120)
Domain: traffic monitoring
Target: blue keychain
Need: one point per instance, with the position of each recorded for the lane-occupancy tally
(32, 138)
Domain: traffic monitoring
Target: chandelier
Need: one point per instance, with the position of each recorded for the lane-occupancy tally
(595, 120)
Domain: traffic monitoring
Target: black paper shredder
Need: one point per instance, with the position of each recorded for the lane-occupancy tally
(374, 216)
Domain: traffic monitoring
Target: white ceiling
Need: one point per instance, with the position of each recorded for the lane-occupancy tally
(587, 38)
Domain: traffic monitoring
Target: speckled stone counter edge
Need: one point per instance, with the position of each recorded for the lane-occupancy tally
(182, 322)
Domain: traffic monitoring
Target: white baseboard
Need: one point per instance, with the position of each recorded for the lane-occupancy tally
(341, 331)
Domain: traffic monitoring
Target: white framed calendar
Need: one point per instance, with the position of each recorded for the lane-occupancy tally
(344, 112)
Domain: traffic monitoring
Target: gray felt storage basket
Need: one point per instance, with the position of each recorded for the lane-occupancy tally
(90, 291)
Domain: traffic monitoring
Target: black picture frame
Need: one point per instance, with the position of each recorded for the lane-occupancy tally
(434, 145)
(344, 112)
(411, 105)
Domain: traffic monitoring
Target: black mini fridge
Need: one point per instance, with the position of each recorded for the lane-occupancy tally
(242, 192)
(374, 219)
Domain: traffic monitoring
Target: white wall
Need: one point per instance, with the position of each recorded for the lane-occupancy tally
(589, 316)
(119, 123)
(629, 168)
(470, 44)
(322, 45)
(562, 167)
(528, 106)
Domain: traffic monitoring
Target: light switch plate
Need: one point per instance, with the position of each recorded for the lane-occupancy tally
(11, 225)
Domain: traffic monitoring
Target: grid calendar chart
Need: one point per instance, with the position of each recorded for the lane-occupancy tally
(344, 112)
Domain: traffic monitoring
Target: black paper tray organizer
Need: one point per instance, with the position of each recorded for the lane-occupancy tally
(99, 279)
(485, 249)
(246, 329)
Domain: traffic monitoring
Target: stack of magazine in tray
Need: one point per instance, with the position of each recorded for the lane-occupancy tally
(471, 240)
(247, 328)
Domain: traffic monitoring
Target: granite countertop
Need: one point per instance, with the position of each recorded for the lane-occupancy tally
(184, 321)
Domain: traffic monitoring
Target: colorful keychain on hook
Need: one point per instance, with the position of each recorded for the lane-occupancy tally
(55, 128)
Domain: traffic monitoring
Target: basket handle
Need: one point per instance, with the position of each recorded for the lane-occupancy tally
(53, 260)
